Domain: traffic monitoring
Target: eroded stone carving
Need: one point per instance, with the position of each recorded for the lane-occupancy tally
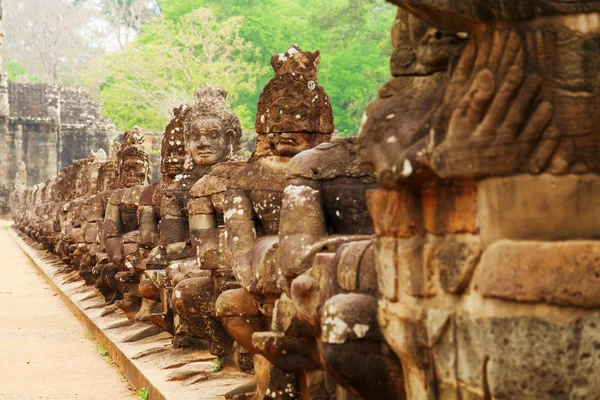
(212, 136)
(460, 223)
(120, 227)
(294, 114)
(327, 259)
(157, 234)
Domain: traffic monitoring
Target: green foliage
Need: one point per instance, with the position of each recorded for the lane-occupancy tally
(15, 71)
(168, 60)
(142, 394)
(218, 365)
(161, 69)
(101, 350)
(89, 335)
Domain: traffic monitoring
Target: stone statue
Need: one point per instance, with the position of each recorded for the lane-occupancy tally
(173, 155)
(294, 114)
(72, 186)
(93, 207)
(486, 287)
(213, 140)
(158, 233)
(62, 248)
(86, 186)
(46, 228)
(120, 226)
(107, 183)
(327, 258)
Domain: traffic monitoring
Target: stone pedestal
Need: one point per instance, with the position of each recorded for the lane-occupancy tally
(509, 310)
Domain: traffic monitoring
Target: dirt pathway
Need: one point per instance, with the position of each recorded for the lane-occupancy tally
(44, 350)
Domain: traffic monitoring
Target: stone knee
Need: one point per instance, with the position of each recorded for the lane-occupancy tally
(114, 249)
(194, 301)
(240, 317)
(107, 283)
(354, 351)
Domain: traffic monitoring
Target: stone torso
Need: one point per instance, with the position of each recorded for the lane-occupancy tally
(263, 179)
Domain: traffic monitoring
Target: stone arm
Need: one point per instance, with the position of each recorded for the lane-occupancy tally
(204, 232)
(173, 223)
(240, 236)
(493, 119)
(148, 219)
(303, 228)
(302, 224)
(112, 231)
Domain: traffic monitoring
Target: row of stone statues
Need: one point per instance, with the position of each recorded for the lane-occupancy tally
(448, 252)
(229, 254)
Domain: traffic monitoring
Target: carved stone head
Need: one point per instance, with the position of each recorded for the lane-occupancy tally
(47, 190)
(60, 186)
(421, 49)
(98, 158)
(293, 109)
(212, 131)
(107, 174)
(80, 183)
(173, 149)
(393, 123)
(134, 163)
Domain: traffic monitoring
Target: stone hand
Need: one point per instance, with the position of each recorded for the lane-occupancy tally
(498, 126)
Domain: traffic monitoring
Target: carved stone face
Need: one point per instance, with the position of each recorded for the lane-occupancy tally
(133, 172)
(173, 150)
(421, 49)
(174, 158)
(290, 144)
(433, 48)
(107, 176)
(207, 143)
(94, 179)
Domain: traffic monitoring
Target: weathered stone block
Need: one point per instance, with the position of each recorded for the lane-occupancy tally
(528, 357)
(450, 208)
(201, 205)
(91, 233)
(272, 383)
(455, 259)
(349, 317)
(348, 270)
(172, 206)
(416, 266)
(130, 248)
(518, 208)
(561, 273)
(395, 212)
(208, 185)
(404, 328)
(131, 237)
(387, 270)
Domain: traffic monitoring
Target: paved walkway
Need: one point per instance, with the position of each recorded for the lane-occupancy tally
(44, 352)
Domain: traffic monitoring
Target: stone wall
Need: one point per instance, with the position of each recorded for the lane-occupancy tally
(46, 127)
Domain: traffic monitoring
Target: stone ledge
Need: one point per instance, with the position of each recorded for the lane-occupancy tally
(142, 353)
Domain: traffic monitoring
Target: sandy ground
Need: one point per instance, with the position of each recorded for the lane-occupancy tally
(44, 351)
